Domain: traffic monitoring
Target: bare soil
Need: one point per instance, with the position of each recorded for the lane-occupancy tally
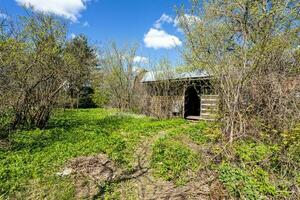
(91, 173)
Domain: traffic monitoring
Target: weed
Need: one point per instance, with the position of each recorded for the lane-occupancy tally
(251, 170)
(245, 185)
(172, 160)
(254, 152)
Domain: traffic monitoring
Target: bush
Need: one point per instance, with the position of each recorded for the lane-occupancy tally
(6, 117)
(100, 98)
(85, 98)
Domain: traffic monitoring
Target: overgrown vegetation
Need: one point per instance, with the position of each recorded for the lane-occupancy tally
(172, 160)
(116, 81)
(34, 157)
(38, 65)
(250, 49)
(246, 185)
(180, 151)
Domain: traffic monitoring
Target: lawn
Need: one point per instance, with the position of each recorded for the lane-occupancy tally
(115, 155)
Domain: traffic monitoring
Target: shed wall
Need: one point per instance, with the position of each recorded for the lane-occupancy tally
(166, 106)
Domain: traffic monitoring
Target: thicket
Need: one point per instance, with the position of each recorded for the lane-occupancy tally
(251, 49)
(38, 64)
(117, 79)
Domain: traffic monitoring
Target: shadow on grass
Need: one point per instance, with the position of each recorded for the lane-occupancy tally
(68, 131)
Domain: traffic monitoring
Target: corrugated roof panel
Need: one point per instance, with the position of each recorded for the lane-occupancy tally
(156, 76)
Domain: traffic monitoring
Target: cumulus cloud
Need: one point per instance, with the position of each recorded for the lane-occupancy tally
(73, 35)
(160, 39)
(69, 9)
(163, 19)
(140, 59)
(190, 19)
(85, 24)
(3, 16)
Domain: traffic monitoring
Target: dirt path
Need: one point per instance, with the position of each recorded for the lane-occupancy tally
(93, 174)
(146, 187)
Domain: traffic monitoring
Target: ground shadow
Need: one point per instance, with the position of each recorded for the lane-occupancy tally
(62, 131)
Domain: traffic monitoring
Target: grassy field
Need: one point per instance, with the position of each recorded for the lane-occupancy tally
(104, 154)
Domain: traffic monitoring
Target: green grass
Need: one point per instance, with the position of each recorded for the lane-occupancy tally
(172, 160)
(248, 169)
(244, 184)
(36, 156)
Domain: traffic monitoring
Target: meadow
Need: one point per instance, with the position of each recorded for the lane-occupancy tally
(106, 154)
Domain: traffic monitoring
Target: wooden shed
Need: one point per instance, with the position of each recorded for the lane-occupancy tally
(188, 94)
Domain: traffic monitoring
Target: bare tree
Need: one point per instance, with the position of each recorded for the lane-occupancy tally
(120, 75)
(250, 48)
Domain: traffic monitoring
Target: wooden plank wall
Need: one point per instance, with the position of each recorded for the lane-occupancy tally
(166, 106)
(209, 107)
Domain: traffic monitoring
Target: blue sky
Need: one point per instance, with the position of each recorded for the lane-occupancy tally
(150, 23)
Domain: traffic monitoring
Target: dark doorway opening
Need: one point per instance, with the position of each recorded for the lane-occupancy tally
(191, 102)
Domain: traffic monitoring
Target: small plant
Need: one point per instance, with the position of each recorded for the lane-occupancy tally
(254, 152)
(172, 160)
(246, 185)
(201, 132)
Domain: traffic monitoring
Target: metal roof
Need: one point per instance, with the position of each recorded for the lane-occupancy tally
(152, 76)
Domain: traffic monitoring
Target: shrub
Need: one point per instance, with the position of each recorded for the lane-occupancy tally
(6, 117)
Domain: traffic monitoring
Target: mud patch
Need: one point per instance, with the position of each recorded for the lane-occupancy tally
(93, 175)
(204, 186)
(89, 172)
(4, 144)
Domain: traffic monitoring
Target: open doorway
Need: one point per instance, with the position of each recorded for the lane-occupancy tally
(191, 103)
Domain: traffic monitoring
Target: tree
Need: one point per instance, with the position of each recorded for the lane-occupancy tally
(36, 63)
(250, 48)
(120, 75)
(81, 60)
(101, 94)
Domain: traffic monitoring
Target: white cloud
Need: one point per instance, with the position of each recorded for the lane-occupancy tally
(140, 59)
(160, 39)
(73, 35)
(163, 19)
(85, 24)
(69, 9)
(3, 16)
(190, 19)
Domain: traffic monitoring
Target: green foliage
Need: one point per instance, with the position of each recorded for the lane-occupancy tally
(248, 59)
(194, 132)
(100, 98)
(245, 185)
(118, 77)
(30, 165)
(262, 161)
(36, 63)
(172, 160)
(254, 152)
(200, 132)
(5, 120)
(263, 182)
(291, 141)
(85, 98)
